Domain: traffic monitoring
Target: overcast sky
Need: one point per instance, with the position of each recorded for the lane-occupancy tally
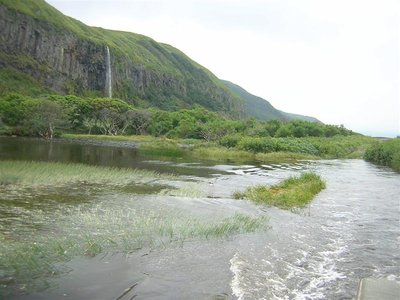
(336, 60)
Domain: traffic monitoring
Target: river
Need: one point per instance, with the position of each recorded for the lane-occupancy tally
(350, 231)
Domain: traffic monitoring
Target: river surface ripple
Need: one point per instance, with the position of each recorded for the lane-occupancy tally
(350, 231)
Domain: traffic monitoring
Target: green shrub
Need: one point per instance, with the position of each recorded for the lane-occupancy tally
(265, 145)
(385, 153)
(256, 145)
(161, 148)
(221, 154)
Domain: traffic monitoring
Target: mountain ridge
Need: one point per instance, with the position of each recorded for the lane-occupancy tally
(262, 109)
(41, 46)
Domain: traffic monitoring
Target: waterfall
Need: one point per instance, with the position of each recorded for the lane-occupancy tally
(108, 74)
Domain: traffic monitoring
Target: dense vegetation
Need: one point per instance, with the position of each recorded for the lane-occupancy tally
(385, 153)
(51, 115)
(290, 193)
(114, 116)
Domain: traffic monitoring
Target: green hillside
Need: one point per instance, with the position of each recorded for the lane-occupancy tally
(42, 51)
(145, 73)
(260, 108)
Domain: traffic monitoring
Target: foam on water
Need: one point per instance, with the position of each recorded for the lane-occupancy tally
(236, 268)
(323, 254)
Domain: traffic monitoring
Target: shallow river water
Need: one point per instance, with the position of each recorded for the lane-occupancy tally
(350, 231)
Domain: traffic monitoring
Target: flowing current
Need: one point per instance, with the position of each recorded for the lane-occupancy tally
(350, 231)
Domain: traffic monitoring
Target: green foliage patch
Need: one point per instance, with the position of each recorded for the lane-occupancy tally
(385, 153)
(219, 137)
(290, 193)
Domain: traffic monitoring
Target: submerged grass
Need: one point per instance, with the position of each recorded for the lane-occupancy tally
(221, 154)
(232, 154)
(279, 157)
(26, 264)
(292, 192)
(191, 190)
(29, 173)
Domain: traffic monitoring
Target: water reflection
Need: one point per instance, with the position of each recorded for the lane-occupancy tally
(100, 153)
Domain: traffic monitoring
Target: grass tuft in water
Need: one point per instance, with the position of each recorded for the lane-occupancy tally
(291, 193)
(191, 190)
(29, 173)
(27, 262)
(279, 157)
(221, 154)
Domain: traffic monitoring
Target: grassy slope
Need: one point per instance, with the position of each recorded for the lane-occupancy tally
(291, 116)
(129, 43)
(255, 106)
(14, 81)
(260, 108)
(141, 50)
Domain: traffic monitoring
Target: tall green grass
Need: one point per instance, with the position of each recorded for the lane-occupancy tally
(229, 154)
(278, 157)
(353, 146)
(292, 192)
(385, 153)
(241, 148)
(29, 173)
(221, 154)
(29, 261)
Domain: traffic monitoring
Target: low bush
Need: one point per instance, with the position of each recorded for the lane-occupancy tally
(290, 193)
(385, 153)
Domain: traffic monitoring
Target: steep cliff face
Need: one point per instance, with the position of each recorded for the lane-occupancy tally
(57, 58)
(68, 57)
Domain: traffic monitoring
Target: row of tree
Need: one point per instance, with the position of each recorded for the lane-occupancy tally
(49, 115)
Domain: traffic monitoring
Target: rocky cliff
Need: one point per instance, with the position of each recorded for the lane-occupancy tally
(44, 51)
(58, 59)
(68, 57)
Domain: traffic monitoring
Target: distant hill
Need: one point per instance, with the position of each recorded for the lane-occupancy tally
(300, 117)
(260, 108)
(44, 51)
